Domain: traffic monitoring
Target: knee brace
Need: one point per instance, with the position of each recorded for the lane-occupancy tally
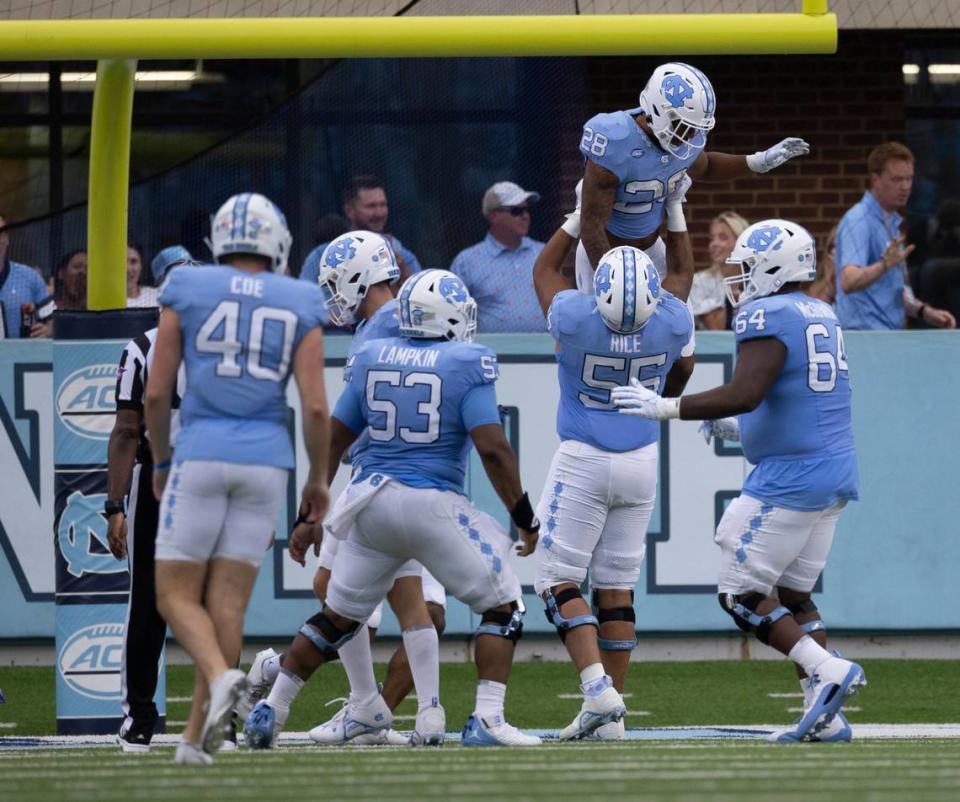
(564, 625)
(806, 607)
(325, 637)
(503, 625)
(742, 608)
(605, 614)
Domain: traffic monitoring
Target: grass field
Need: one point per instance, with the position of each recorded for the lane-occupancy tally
(541, 695)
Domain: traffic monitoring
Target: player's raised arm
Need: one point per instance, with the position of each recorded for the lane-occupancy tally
(599, 193)
(715, 166)
(680, 265)
(548, 278)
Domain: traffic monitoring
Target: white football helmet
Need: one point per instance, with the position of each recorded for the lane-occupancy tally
(437, 304)
(770, 253)
(680, 103)
(627, 289)
(349, 266)
(250, 223)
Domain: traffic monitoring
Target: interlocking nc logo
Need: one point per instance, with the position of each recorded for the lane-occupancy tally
(676, 90)
(340, 252)
(601, 279)
(81, 525)
(761, 239)
(453, 289)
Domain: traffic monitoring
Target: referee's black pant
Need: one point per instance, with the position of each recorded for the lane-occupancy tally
(146, 629)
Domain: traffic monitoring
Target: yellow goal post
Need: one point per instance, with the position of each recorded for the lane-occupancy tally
(116, 44)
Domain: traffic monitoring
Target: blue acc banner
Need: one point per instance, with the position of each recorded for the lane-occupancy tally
(91, 586)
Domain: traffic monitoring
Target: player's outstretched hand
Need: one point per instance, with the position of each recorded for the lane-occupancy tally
(722, 429)
(528, 542)
(302, 538)
(763, 161)
(639, 400)
(678, 194)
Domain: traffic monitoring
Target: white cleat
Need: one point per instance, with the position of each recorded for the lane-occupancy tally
(387, 737)
(833, 682)
(494, 731)
(352, 721)
(614, 731)
(431, 727)
(189, 754)
(604, 708)
(258, 686)
(225, 691)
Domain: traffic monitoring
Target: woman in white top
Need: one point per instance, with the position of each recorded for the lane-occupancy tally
(137, 294)
(707, 301)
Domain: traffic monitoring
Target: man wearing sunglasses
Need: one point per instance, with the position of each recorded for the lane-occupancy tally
(498, 270)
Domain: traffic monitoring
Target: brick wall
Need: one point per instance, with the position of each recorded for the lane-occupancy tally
(842, 105)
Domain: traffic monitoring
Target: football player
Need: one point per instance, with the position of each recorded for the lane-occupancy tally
(601, 488)
(635, 158)
(241, 329)
(421, 397)
(790, 395)
(357, 271)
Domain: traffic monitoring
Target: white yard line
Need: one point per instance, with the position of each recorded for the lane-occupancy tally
(846, 709)
(7, 725)
(797, 695)
(580, 695)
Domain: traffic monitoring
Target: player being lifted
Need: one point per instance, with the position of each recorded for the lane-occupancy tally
(602, 484)
(635, 158)
(357, 271)
(241, 329)
(421, 397)
(790, 393)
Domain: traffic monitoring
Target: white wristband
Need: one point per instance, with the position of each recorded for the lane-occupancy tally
(755, 162)
(669, 408)
(676, 221)
(572, 225)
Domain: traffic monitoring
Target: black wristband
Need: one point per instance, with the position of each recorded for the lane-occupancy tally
(113, 506)
(523, 515)
(920, 310)
(301, 519)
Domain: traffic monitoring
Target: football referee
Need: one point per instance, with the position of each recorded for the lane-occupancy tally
(130, 474)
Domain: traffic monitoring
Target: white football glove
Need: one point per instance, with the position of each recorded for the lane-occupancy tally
(639, 400)
(572, 223)
(763, 161)
(673, 206)
(722, 429)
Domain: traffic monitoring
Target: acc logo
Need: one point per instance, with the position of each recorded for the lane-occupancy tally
(89, 661)
(85, 402)
(80, 525)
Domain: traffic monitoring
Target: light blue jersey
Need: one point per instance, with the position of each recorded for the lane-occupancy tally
(647, 172)
(240, 333)
(380, 325)
(419, 400)
(800, 437)
(592, 360)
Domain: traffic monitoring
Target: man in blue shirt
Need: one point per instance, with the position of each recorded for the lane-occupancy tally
(21, 286)
(241, 329)
(498, 271)
(365, 207)
(872, 287)
(791, 395)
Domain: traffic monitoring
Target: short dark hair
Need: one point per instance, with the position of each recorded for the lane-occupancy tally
(887, 152)
(361, 182)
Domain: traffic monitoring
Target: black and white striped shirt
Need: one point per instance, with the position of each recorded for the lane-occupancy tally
(135, 363)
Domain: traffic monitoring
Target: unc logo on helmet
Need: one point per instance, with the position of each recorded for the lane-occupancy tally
(81, 527)
(453, 289)
(676, 90)
(341, 250)
(85, 403)
(437, 304)
(761, 239)
(601, 279)
(90, 661)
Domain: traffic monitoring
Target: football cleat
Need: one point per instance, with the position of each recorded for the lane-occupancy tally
(614, 731)
(189, 754)
(831, 684)
(430, 728)
(258, 686)
(494, 731)
(388, 737)
(352, 721)
(225, 691)
(605, 707)
(134, 739)
(260, 730)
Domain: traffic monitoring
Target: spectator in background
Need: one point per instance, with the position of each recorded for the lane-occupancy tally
(139, 293)
(365, 207)
(708, 301)
(498, 270)
(939, 277)
(70, 281)
(824, 286)
(167, 259)
(872, 289)
(26, 308)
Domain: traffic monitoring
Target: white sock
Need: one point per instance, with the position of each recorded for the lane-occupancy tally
(271, 667)
(423, 653)
(282, 694)
(808, 654)
(594, 680)
(490, 696)
(357, 661)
